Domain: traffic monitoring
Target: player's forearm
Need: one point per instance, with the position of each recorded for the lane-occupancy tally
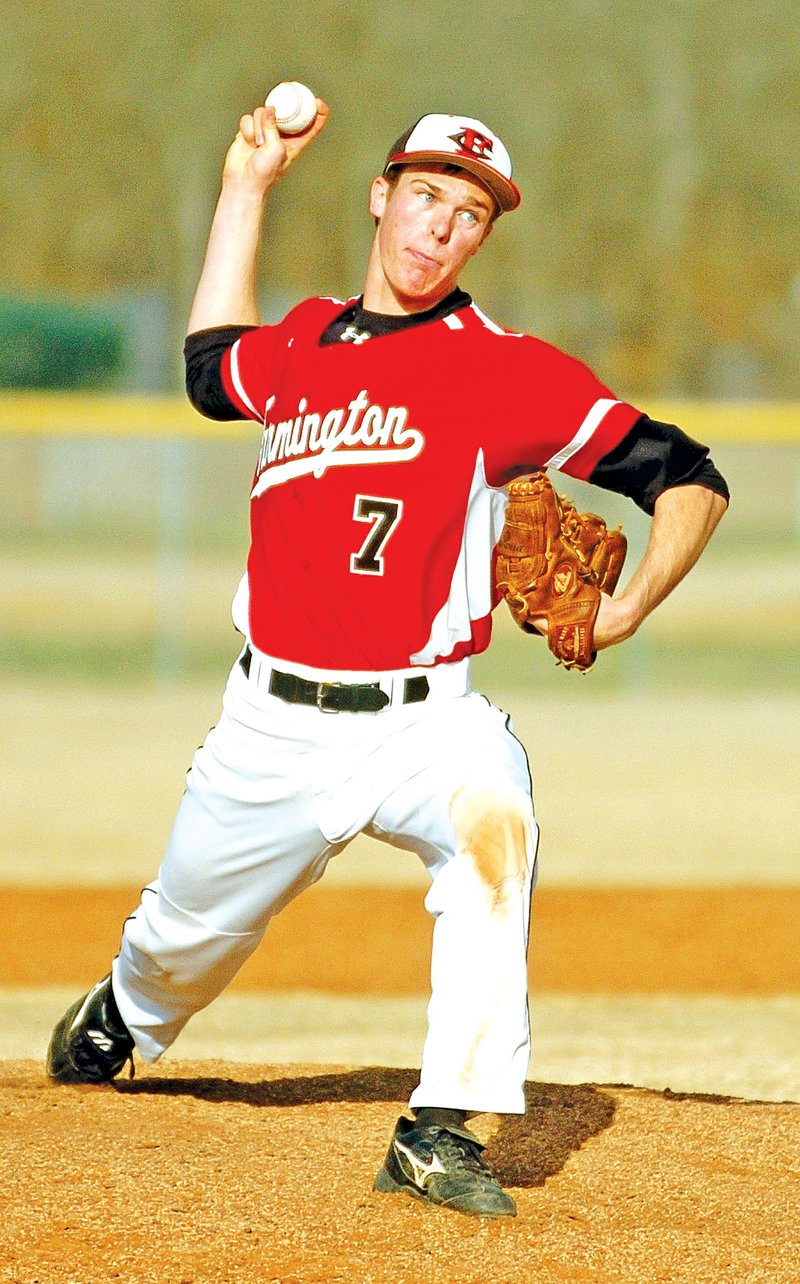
(684, 520)
(226, 292)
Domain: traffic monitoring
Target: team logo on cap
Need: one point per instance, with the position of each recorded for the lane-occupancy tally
(471, 143)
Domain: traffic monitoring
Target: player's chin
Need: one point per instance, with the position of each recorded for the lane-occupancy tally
(423, 289)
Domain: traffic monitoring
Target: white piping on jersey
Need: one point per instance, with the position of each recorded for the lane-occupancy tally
(469, 595)
(493, 326)
(237, 380)
(586, 431)
(453, 323)
(240, 607)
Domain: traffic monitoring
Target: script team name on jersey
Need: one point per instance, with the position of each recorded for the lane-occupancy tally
(313, 441)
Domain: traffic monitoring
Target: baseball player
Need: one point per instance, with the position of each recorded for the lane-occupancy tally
(390, 425)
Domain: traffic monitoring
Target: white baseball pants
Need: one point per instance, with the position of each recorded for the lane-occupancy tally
(276, 791)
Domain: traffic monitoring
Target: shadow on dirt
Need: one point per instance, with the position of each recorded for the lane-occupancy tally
(529, 1148)
(525, 1150)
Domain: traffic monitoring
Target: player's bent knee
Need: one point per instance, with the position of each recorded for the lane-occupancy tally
(494, 829)
(179, 948)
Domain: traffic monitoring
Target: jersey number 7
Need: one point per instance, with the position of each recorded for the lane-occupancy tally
(385, 515)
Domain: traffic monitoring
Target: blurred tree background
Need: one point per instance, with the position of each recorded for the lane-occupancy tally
(657, 238)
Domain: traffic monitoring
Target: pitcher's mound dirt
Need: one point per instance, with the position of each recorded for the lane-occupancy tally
(213, 1172)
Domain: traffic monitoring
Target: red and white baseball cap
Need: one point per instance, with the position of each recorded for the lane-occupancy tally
(462, 141)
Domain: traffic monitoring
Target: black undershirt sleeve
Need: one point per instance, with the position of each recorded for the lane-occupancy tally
(203, 352)
(652, 458)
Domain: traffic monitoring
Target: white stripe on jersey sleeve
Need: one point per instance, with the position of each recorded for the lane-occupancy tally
(237, 380)
(586, 431)
(453, 323)
(493, 326)
(470, 593)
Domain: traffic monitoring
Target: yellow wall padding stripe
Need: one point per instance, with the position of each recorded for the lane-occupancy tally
(48, 414)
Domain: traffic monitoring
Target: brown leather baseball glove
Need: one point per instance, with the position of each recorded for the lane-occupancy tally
(553, 563)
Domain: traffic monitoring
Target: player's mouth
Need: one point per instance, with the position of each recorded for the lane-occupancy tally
(424, 260)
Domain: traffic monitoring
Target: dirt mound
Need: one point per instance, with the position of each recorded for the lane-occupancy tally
(210, 1172)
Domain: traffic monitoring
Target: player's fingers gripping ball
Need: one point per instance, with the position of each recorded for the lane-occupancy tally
(295, 106)
(553, 563)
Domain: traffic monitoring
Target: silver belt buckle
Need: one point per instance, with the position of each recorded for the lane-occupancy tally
(321, 686)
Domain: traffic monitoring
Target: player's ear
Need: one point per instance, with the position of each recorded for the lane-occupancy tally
(378, 195)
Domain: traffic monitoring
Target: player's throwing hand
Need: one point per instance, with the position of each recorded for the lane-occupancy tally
(260, 155)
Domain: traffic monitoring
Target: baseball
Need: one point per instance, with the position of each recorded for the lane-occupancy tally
(295, 106)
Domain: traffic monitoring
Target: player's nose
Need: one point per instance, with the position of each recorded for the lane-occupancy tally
(442, 226)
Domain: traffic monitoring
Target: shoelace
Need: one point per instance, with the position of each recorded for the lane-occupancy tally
(458, 1151)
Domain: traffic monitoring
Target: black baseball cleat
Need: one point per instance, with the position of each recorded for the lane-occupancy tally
(443, 1166)
(91, 1043)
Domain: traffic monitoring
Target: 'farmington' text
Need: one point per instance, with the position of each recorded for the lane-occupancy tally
(312, 443)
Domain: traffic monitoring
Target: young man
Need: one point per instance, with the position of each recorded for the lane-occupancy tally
(391, 425)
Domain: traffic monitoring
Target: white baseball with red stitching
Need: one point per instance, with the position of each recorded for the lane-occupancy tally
(295, 106)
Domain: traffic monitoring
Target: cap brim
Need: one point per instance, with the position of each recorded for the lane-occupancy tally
(505, 192)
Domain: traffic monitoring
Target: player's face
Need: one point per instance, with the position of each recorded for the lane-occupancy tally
(430, 223)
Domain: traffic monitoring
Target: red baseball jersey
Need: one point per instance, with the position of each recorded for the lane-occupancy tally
(378, 495)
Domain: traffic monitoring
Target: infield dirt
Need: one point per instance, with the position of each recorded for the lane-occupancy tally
(210, 1173)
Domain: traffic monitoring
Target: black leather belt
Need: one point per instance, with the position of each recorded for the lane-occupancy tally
(336, 697)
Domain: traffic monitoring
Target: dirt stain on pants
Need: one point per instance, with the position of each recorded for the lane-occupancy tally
(492, 831)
